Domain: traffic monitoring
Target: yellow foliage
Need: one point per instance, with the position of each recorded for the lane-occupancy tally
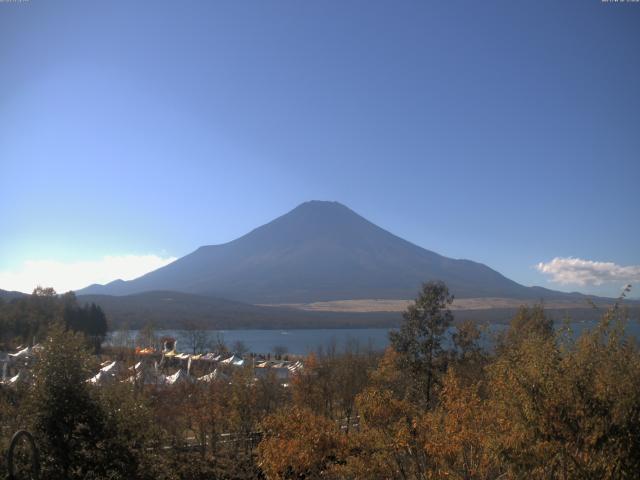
(456, 434)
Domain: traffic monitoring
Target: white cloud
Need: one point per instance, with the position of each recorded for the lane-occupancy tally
(588, 272)
(65, 276)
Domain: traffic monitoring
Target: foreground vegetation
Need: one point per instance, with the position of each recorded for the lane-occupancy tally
(541, 405)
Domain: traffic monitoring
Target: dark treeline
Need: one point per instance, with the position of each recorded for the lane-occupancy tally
(541, 405)
(26, 320)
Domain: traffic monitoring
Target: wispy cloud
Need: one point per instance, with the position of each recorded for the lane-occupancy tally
(588, 272)
(65, 276)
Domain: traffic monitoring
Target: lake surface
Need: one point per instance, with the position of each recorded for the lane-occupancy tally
(296, 341)
(304, 341)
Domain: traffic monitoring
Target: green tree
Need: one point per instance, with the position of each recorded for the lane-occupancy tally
(88, 319)
(81, 435)
(97, 327)
(527, 322)
(66, 418)
(419, 340)
(468, 357)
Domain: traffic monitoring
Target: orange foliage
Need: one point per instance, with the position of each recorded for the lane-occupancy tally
(299, 444)
(455, 435)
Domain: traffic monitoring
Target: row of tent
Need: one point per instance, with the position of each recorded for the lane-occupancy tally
(147, 375)
(28, 352)
(151, 376)
(103, 378)
(111, 370)
(282, 370)
(208, 357)
(291, 366)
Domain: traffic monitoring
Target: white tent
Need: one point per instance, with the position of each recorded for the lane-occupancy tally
(101, 378)
(146, 375)
(136, 367)
(21, 377)
(24, 353)
(234, 360)
(179, 377)
(210, 377)
(294, 367)
(209, 357)
(112, 368)
(108, 372)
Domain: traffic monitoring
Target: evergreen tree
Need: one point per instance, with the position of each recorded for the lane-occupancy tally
(97, 326)
(419, 340)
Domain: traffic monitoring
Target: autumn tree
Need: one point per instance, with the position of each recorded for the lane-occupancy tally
(348, 375)
(299, 444)
(244, 409)
(385, 444)
(571, 409)
(307, 391)
(457, 434)
(270, 394)
(147, 337)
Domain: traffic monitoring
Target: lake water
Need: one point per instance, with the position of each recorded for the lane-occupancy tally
(296, 341)
(303, 341)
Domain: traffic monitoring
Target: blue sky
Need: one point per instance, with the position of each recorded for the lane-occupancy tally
(504, 132)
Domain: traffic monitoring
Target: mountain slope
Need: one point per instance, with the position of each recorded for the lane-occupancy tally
(10, 295)
(320, 251)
